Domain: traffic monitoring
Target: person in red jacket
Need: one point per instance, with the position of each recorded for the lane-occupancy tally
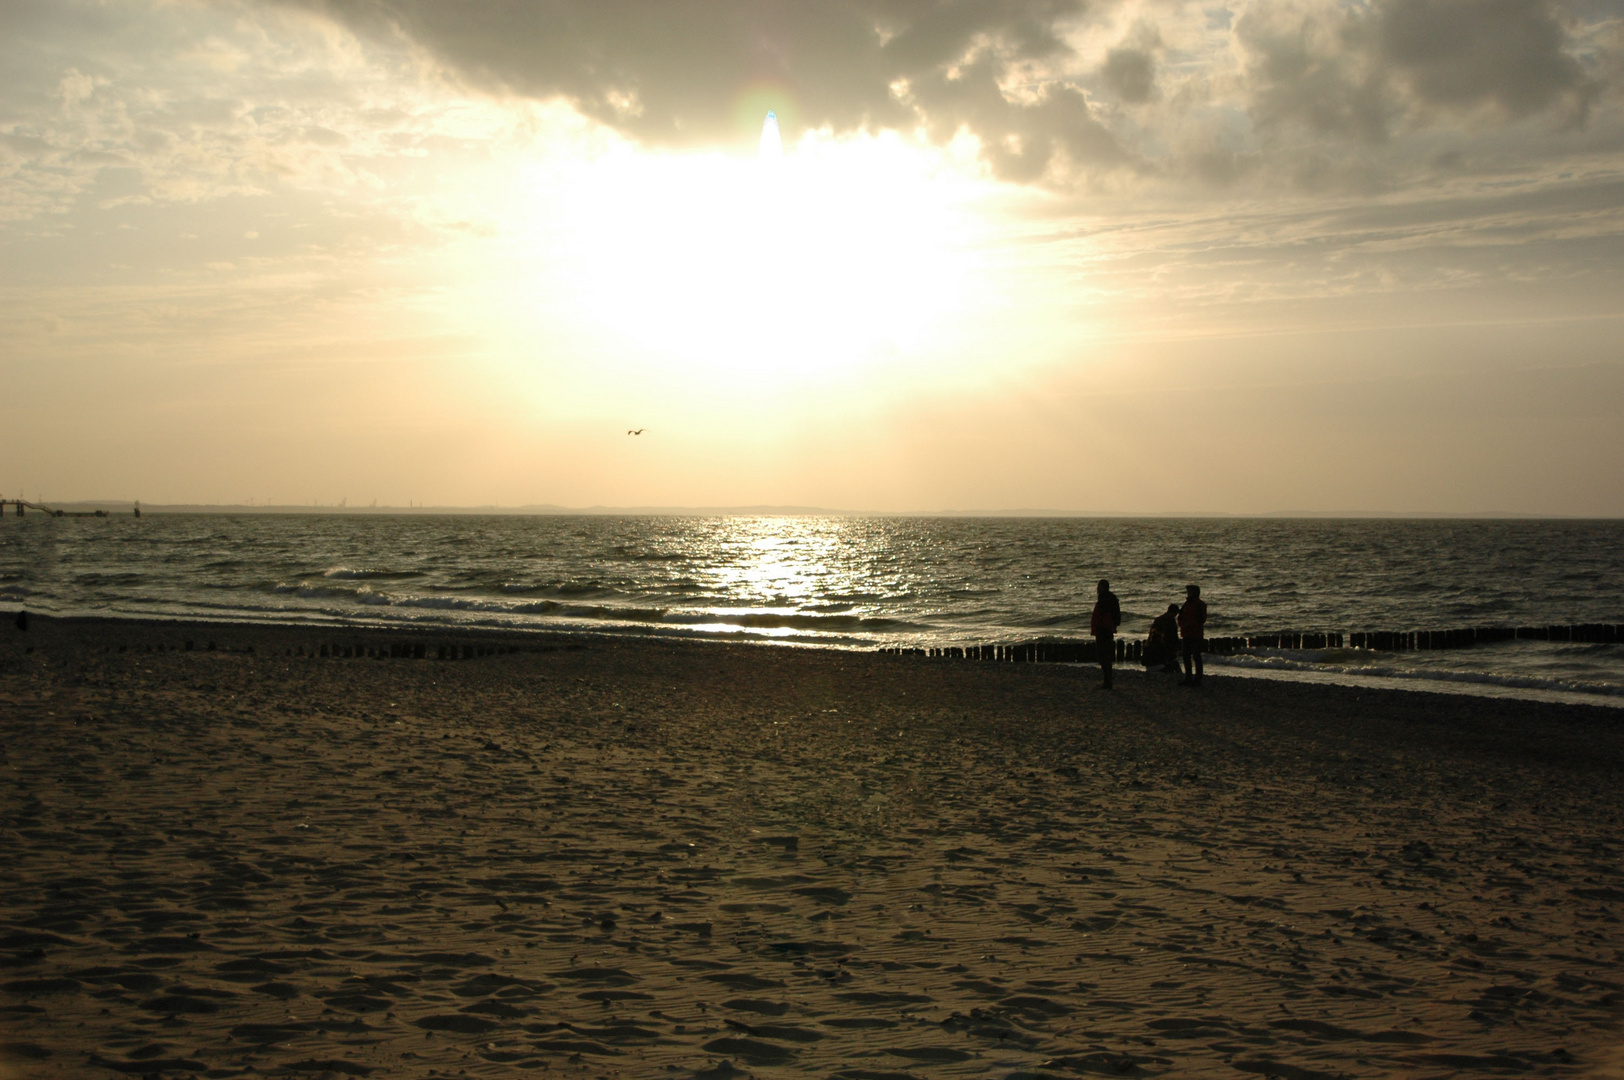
(1192, 628)
(1103, 624)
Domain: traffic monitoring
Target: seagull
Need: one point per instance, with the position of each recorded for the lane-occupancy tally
(639, 431)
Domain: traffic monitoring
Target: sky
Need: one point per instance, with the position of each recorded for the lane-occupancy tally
(1124, 256)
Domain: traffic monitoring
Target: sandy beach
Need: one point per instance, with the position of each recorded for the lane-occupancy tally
(654, 858)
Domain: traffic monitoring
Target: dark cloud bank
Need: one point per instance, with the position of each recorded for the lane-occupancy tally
(1361, 75)
(670, 73)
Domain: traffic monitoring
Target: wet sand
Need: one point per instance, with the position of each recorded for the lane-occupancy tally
(638, 858)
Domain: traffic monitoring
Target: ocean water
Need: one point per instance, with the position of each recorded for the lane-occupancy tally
(858, 582)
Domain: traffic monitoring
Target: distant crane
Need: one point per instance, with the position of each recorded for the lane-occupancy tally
(639, 431)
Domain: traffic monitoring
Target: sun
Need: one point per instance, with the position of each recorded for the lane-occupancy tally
(783, 267)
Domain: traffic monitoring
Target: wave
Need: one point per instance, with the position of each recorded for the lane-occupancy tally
(558, 609)
(315, 592)
(93, 580)
(755, 620)
(345, 573)
(538, 607)
(1068, 619)
(588, 589)
(852, 598)
(1508, 680)
(792, 621)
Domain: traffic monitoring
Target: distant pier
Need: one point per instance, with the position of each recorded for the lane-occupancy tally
(22, 506)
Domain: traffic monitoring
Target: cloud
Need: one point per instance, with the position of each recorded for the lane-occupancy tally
(131, 103)
(1131, 73)
(1465, 53)
(676, 74)
(1307, 66)
(1021, 140)
(1357, 72)
(1058, 92)
(1173, 99)
(1129, 70)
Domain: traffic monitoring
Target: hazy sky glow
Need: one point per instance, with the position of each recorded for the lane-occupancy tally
(1139, 256)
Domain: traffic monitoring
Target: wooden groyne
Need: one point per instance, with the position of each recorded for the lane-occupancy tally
(1129, 650)
(1409, 641)
(1027, 652)
(417, 650)
(363, 650)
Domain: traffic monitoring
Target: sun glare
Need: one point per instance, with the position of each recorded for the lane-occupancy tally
(780, 269)
(772, 140)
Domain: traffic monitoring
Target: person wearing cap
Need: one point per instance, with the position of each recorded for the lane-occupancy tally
(1192, 628)
(1103, 624)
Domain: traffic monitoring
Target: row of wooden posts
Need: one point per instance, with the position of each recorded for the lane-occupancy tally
(1129, 650)
(1465, 638)
(406, 650)
(1030, 652)
(397, 650)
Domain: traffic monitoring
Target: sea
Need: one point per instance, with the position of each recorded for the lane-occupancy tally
(855, 582)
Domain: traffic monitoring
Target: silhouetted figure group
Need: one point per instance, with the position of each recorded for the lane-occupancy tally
(1176, 625)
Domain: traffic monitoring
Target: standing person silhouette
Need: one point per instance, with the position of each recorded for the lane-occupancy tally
(1103, 624)
(1192, 627)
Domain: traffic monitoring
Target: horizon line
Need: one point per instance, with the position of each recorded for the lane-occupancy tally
(791, 510)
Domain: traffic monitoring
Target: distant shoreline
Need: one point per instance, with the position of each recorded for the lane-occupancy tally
(124, 508)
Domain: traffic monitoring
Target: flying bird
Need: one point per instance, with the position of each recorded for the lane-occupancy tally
(639, 431)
